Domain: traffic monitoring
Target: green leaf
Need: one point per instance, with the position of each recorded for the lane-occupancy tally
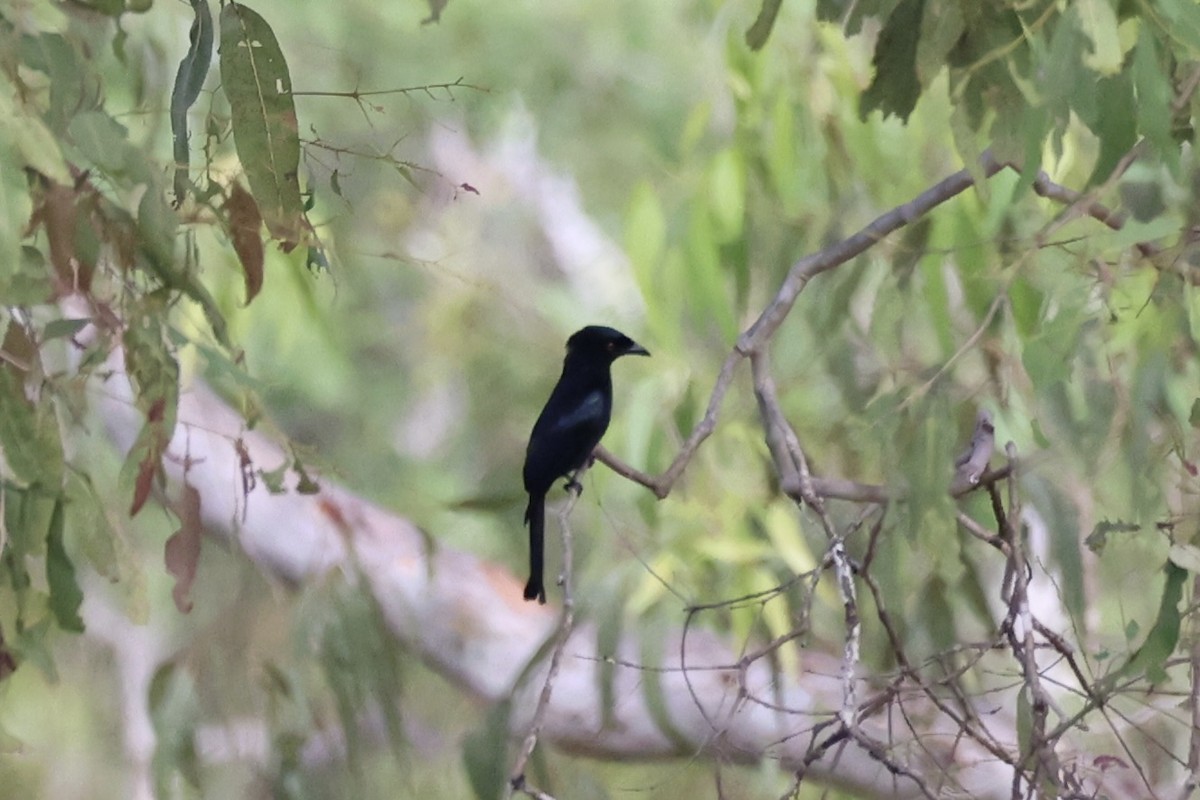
(189, 80)
(150, 361)
(485, 754)
(896, 86)
(174, 710)
(31, 646)
(105, 143)
(645, 234)
(1183, 21)
(74, 88)
(1024, 721)
(727, 195)
(1116, 124)
(254, 74)
(757, 35)
(653, 642)
(63, 328)
(1073, 86)
(1152, 81)
(29, 435)
(65, 594)
(1098, 19)
(610, 615)
(782, 526)
(941, 27)
(1160, 642)
(26, 139)
(708, 287)
(1049, 358)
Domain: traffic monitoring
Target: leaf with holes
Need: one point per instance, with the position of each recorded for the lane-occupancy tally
(254, 74)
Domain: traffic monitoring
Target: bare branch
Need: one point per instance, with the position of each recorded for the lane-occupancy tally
(565, 627)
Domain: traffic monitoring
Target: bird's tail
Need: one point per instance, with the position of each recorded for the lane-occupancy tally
(535, 515)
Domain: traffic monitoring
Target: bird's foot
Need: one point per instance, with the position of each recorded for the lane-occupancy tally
(573, 486)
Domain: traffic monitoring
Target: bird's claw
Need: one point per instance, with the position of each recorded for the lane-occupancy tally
(573, 486)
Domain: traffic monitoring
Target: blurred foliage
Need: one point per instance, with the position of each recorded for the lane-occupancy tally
(429, 211)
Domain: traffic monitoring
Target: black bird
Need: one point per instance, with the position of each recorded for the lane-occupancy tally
(569, 428)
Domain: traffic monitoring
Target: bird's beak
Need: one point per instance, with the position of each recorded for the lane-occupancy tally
(636, 350)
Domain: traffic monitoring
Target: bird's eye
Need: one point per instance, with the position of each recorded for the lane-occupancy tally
(610, 346)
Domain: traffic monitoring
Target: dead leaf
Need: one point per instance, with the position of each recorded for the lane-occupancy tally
(182, 553)
(245, 224)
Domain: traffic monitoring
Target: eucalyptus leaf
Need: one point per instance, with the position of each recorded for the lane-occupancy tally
(256, 79)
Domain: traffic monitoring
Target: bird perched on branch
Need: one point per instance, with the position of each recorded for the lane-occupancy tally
(972, 463)
(569, 428)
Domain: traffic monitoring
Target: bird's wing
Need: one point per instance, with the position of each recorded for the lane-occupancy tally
(588, 412)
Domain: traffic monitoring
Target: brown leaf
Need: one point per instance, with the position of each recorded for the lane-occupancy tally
(65, 213)
(58, 215)
(143, 484)
(245, 223)
(182, 553)
(154, 451)
(19, 350)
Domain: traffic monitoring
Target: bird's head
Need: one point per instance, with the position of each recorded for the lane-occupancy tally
(604, 342)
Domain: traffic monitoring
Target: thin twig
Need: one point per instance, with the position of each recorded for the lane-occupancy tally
(565, 626)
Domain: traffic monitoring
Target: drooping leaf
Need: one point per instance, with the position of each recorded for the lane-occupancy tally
(1152, 82)
(106, 548)
(255, 77)
(154, 372)
(1024, 721)
(652, 645)
(485, 754)
(19, 348)
(29, 435)
(1098, 19)
(727, 195)
(145, 457)
(1115, 123)
(31, 646)
(645, 235)
(26, 136)
(189, 80)
(182, 552)
(941, 26)
(65, 595)
(756, 35)
(174, 710)
(244, 224)
(361, 666)
(896, 85)
(1183, 18)
(1162, 638)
